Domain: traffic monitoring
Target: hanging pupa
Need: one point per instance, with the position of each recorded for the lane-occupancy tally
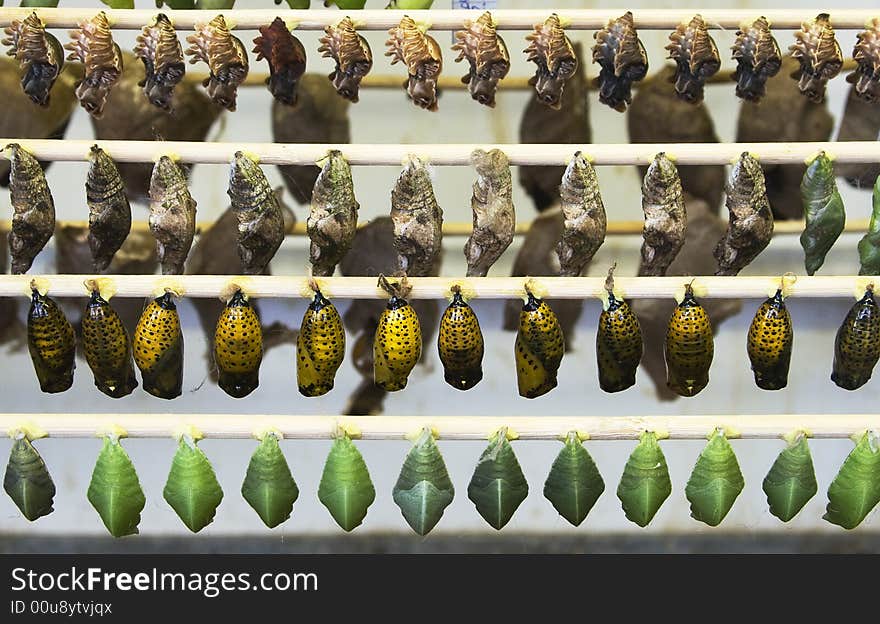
(645, 483)
(397, 344)
(619, 344)
(791, 482)
(107, 348)
(498, 485)
(192, 488)
(769, 343)
(320, 347)
(824, 214)
(460, 344)
(665, 217)
(51, 343)
(33, 209)
(574, 483)
(623, 60)
(92, 45)
(109, 210)
(696, 58)
(27, 480)
(553, 54)
(115, 491)
(172, 215)
(39, 55)
(346, 489)
(417, 219)
(225, 56)
(866, 54)
(160, 51)
(857, 343)
(158, 348)
(268, 486)
(819, 55)
(409, 44)
(333, 216)
(689, 346)
(715, 482)
(238, 347)
(494, 215)
(869, 245)
(585, 222)
(352, 55)
(486, 53)
(538, 349)
(757, 59)
(855, 490)
(287, 60)
(423, 489)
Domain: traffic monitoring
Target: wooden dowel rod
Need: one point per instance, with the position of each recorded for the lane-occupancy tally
(394, 154)
(508, 19)
(768, 426)
(277, 286)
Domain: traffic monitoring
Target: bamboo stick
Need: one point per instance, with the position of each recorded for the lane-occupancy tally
(507, 19)
(752, 426)
(393, 154)
(276, 286)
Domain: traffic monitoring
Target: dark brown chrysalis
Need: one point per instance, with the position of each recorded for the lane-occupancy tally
(38, 53)
(157, 46)
(866, 54)
(33, 209)
(410, 45)
(226, 58)
(550, 49)
(623, 60)
(484, 49)
(352, 54)
(757, 58)
(287, 60)
(818, 52)
(109, 210)
(92, 45)
(696, 58)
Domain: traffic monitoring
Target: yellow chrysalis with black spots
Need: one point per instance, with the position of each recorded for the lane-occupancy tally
(397, 345)
(857, 344)
(320, 347)
(539, 348)
(618, 345)
(107, 348)
(51, 343)
(238, 347)
(460, 343)
(769, 343)
(158, 348)
(689, 347)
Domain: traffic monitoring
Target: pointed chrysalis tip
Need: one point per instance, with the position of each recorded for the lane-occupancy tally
(793, 437)
(423, 432)
(260, 433)
(346, 430)
(505, 431)
(112, 431)
(188, 433)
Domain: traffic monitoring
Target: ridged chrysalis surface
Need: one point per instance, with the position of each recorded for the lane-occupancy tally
(689, 347)
(715, 482)
(27, 480)
(857, 344)
(538, 349)
(192, 488)
(769, 343)
(574, 483)
(460, 344)
(268, 485)
(107, 348)
(824, 213)
(498, 485)
(645, 483)
(51, 343)
(791, 482)
(115, 491)
(855, 490)
(423, 489)
(320, 347)
(346, 489)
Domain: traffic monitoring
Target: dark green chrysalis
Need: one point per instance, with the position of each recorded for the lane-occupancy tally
(423, 489)
(346, 489)
(192, 489)
(27, 480)
(791, 481)
(115, 491)
(498, 485)
(574, 483)
(824, 214)
(645, 483)
(855, 490)
(869, 246)
(715, 482)
(268, 485)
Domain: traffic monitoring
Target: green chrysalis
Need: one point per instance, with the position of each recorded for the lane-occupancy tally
(268, 485)
(345, 5)
(574, 483)
(423, 489)
(346, 489)
(192, 489)
(823, 212)
(715, 482)
(645, 483)
(498, 485)
(113, 4)
(296, 4)
(115, 491)
(855, 490)
(791, 481)
(869, 246)
(27, 480)
(53, 4)
(409, 5)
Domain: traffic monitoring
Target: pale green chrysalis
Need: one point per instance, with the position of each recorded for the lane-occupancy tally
(574, 483)
(27, 480)
(192, 489)
(645, 483)
(498, 485)
(791, 481)
(855, 490)
(346, 489)
(268, 486)
(423, 489)
(824, 214)
(115, 491)
(869, 246)
(715, 482)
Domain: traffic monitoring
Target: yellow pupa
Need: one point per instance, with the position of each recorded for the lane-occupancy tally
(107, 348)
(619, 344)
(320, 347)
(689, 347)
(397, 344)
(460, 344)
(158, 348)
(238, 347)
(51, 343)
(539, 348)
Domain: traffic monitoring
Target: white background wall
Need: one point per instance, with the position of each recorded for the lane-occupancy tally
(385, 116)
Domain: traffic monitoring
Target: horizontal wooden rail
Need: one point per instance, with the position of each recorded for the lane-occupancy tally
(277, 286)
(71, 425)
(393, 154)
(440, 19)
